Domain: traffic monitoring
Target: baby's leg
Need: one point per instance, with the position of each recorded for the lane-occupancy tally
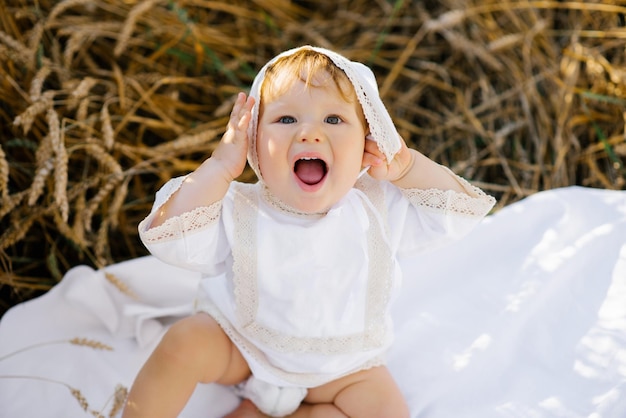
(371, 393)
(366, 394)
(193, 350)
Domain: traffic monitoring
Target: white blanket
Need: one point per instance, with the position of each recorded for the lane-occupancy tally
(526, 317)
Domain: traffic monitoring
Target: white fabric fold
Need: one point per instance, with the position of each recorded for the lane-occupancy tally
(126, 303)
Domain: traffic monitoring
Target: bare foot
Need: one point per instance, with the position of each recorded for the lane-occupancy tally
(246, 409)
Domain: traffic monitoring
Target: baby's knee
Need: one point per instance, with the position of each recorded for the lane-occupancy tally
(188, 338)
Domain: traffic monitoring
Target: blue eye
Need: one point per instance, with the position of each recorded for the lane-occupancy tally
(286, 119)
(334, 120)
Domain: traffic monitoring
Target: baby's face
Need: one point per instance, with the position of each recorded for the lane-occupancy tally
(310, 144)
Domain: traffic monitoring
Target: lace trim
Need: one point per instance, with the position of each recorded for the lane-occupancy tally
(281, 206)
(189, 222)
(246, 289)
(248, 349)
(373, 189)
(477, 205)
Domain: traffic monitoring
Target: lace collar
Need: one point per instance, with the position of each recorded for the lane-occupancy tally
(281, 206)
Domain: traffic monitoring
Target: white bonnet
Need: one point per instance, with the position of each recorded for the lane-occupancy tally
(381, 126)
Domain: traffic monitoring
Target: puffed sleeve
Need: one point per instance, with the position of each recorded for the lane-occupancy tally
(193, 240)
(426, 219)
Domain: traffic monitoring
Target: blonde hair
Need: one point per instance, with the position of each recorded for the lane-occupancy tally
(306, 65)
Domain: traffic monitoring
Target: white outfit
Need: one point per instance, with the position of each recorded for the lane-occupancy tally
(306, 297)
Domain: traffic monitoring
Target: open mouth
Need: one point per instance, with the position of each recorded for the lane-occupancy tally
(310, 171)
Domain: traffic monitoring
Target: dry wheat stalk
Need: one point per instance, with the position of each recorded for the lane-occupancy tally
(93, 147)
(119, 399)
(4, 175)
(83, 110)
(37, 186)
(120, 285)
(18, 56)
(60, 163)
(118, 200)
(64, 5)
(105, 160)
(44, 158)
(73, 234)
(187, 142)
(80, 92)
(95, 201)
(16, 231)
(77, 394)
(107, 128)
(74, 44)
(10, 202)
(129, 25)
(102, 244)
(34, 40)
(37, 83)
(84, 342)
(11, 42)
(26, 118)
(121, 85)
(78, 227)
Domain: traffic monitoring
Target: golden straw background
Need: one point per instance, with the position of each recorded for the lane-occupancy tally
(102, 101)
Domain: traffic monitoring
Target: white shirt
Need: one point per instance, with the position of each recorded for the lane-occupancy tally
(306, 297)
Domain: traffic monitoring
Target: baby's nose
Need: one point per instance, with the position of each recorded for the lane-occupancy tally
(307, 139)
(311, 133)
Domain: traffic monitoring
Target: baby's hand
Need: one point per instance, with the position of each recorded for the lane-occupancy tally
(379, 168)
(231, 152)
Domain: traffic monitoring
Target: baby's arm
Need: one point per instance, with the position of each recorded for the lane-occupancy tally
(211, 180)
(409, 169)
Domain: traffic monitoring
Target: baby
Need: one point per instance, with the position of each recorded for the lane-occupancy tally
(300, 269)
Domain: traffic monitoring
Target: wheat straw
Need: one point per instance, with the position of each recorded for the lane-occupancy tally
(108, 135)
(34, 43)
(37, 186)
(129, 25)
(116, 203)
(78, 226)
(11, 42)
(63, 6)
(10, 202)
(85, 342)
(16, 231)
(4, 175)
(83, 110)
(26, 118)
(120, 285)
(75, 235)
(77, 394)
(102, 244)
(37, 83)
(81, 91)
(95, 202)
(60, 163)
(119, 399)
(74, 43)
